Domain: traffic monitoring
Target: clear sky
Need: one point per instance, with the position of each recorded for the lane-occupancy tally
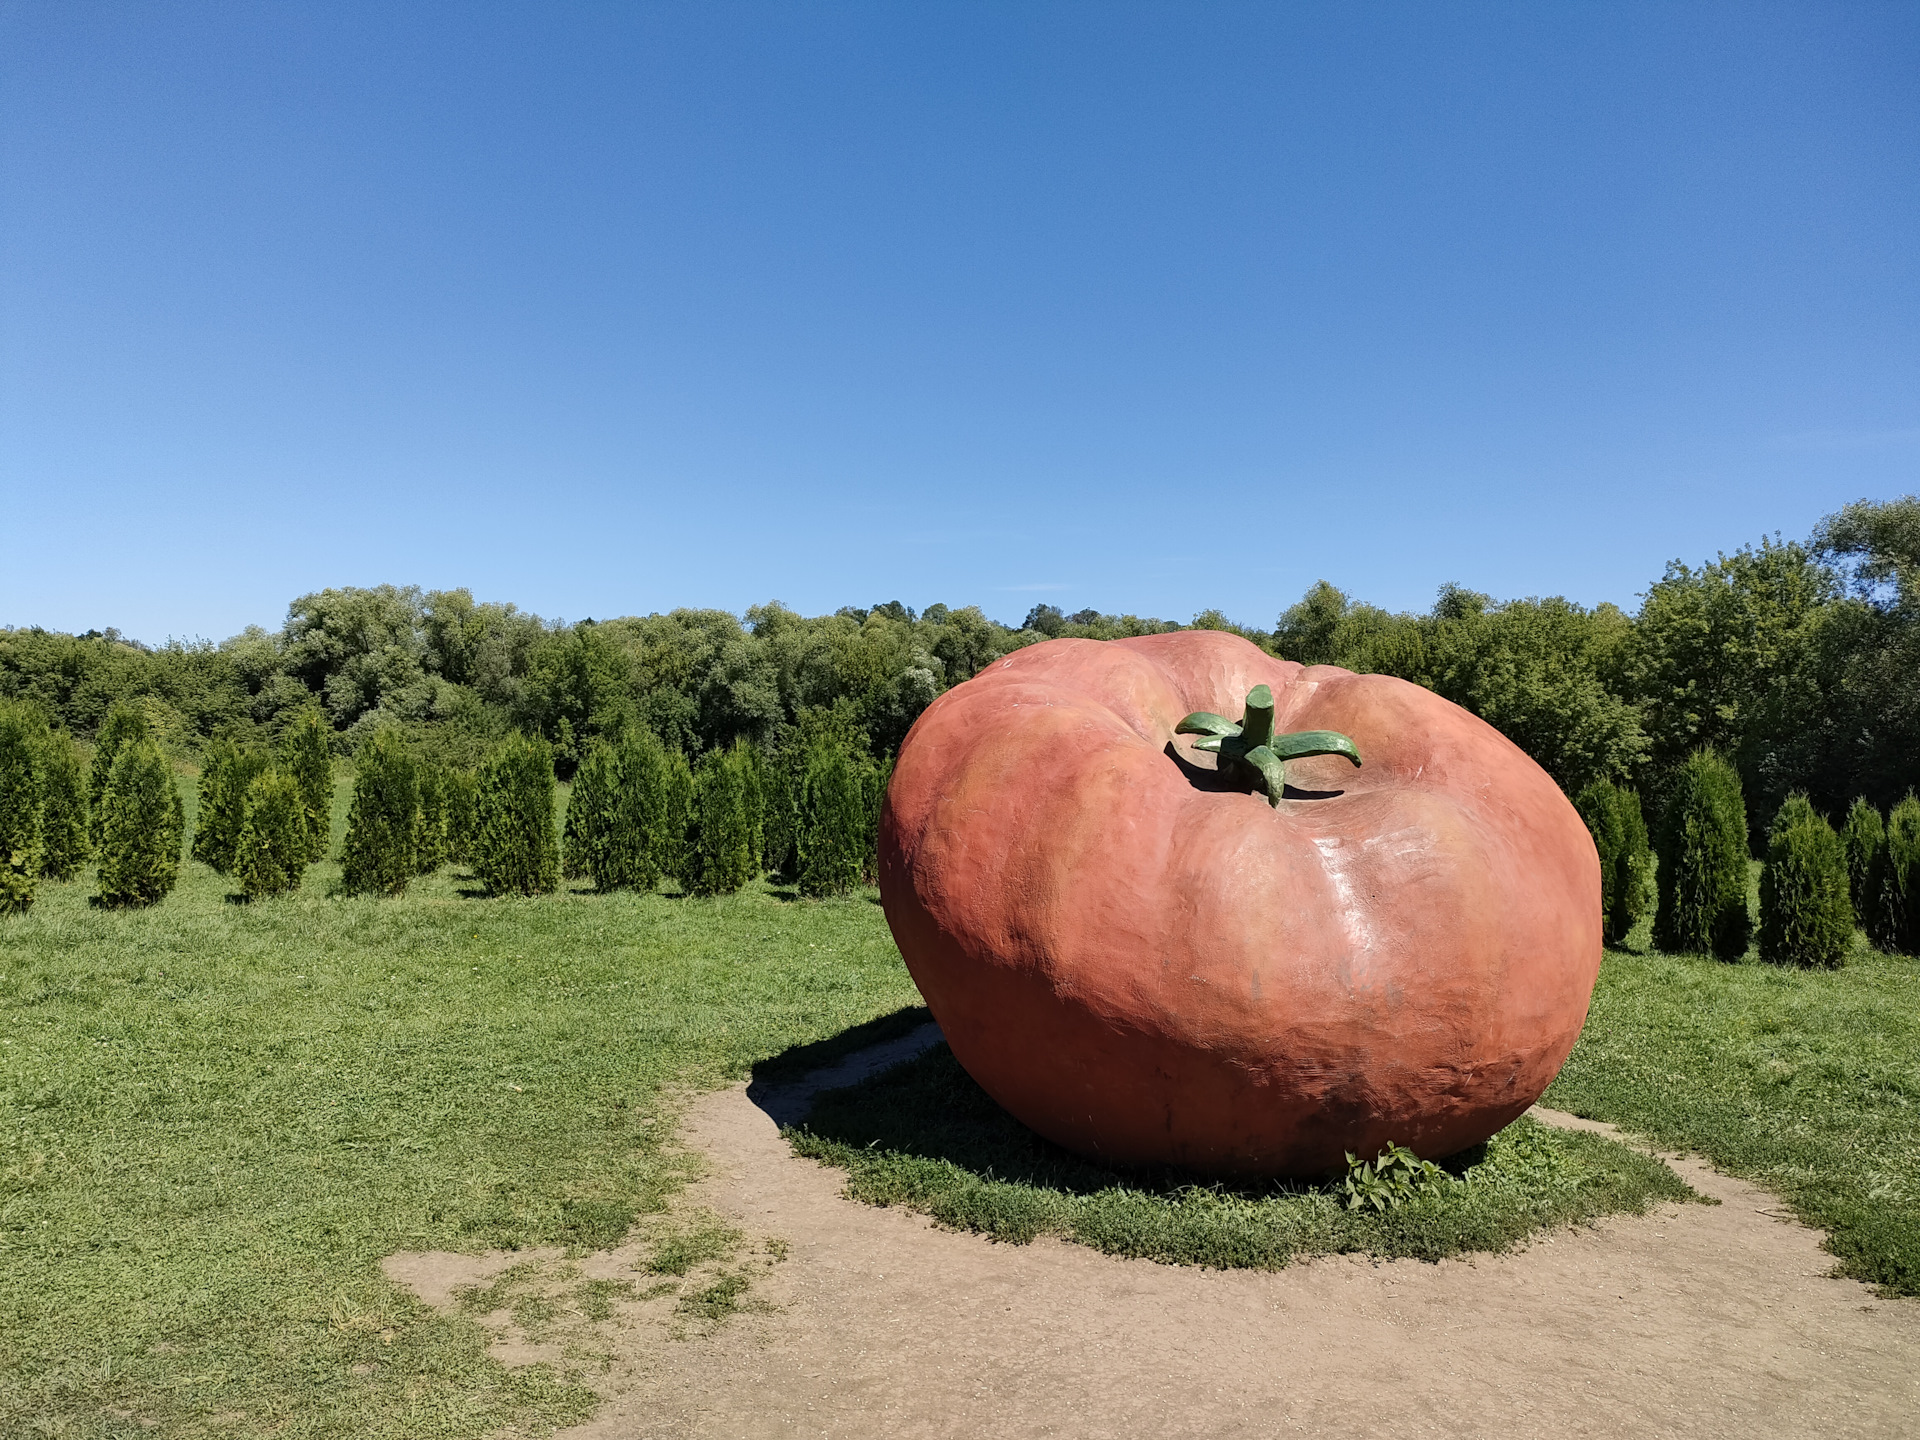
(610, 309)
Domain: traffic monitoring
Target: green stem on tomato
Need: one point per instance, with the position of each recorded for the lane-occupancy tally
(1251, 752)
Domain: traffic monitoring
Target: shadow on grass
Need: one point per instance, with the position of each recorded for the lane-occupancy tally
(923, 1136)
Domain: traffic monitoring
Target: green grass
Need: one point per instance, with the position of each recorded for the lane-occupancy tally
(924, 1136)
(1807, 1081)
(216, 1118)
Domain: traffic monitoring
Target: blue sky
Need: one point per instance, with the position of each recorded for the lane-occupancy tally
(608, 309)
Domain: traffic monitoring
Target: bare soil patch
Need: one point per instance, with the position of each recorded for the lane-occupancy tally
(1692, 1321)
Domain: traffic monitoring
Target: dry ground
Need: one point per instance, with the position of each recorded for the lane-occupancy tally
(1692, 1321)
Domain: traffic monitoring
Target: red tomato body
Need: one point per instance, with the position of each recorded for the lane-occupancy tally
(1144, 966)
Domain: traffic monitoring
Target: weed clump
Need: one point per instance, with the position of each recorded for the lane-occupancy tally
(380, 853)
(1806, 917)
(142, 827)
(1703, 861)
(515, 849)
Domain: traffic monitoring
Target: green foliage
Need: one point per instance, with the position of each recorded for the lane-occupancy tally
(1619, 835)
(21, 804)
(1392, 1178)
(1703, 861)
(617, 815)
(874, 780)
(592, 810)
(381, 856)
(125, 724)
(721, 833)
(307, 755)
(141, 829)
(462, 804)
(430, 823)
(64, 846)
(1796, 809)
(1861, 837)
(753, 780)
(1806, 917)
(675, 850)
(1893, 882)
(275, 840)
(515, 849)
(225, 776)
(832, 829)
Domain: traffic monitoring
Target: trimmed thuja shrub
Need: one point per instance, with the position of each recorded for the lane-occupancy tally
(617, 817)
(675, 852)
(228, 771)
(274, 837)
(1892, 880)
(721, 835)
(832, 829)
(1703, 861)
(141, 821)
(307, 754)
(1619, 832)
(592, 806)
(64, 846)
(1861, 838)
(515, 850)
(462, 797)
(874, 780)
(20, 807)
(754, 787)
(378, 858)
(1806, 917)
(430, 823)
(124, 725)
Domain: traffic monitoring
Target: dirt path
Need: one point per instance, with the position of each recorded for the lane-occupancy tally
(1693, 1321)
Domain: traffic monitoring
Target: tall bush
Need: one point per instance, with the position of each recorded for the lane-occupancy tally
(275, 839)
(874, 780)
(1806, 917)
(1703, 861)
(307, 755)
(1861, 838)
(140, 827)
(721, 834)
(462, 802)
(831, 843)
(1893, 882)
(593, 816)
(124, 724)
(380, 855)
(754, 786)
(1619, 832)
(1796, 809)
(64, 846)
(430, 822)
(228, 771)
(675, 851)
(515, 849)
(20, 808)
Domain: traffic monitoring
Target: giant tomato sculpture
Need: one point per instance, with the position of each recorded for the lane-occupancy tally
(1146, 958)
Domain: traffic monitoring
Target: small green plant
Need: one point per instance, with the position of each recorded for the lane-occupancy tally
(1861, 838)
(141, 827)
(430, 821)
(721, 834)
(21, 804)
(274, 839)
(228, 771)
(64, 846)
(380, 854)
(832, 839)
(124, 724)
(1806, 917)
(515, 849)
(1703, 862)
(307, 755)
(1892, 880)
(1619, 832)
(1389, 1180)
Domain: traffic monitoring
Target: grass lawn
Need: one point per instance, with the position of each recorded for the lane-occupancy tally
(216, 1118)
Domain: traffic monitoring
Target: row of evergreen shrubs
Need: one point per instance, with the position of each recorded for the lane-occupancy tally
(1814, 882)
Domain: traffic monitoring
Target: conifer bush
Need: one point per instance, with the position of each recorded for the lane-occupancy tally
(753, 781)
(1893, 880)
(1861, 837)
(1806, 917)
(1619, 832)
(20, 809)
(430, 823)
(873, 788)
(675, 853)
(1796, 809)
(515, 849)
(462, 799)
(307, 755)
(141, 821)
(124, 725)
(64, 846)
(275, 840)
(228, 771)
(641, 829)
(593, 816)
(721, 834)
(1703, 861)
(831, 843)
(380, 855)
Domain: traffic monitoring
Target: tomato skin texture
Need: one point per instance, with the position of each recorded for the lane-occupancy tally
(1146, 967)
